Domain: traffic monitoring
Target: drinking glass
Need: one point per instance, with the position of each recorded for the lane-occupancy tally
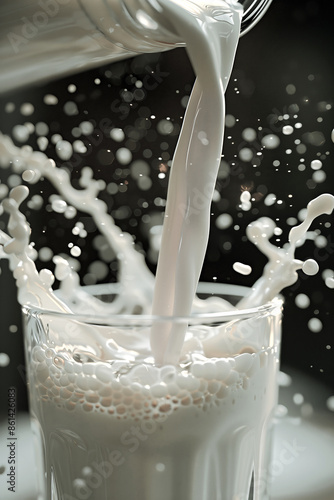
(109, 423)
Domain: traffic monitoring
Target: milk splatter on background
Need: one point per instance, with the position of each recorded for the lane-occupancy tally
(123, 121)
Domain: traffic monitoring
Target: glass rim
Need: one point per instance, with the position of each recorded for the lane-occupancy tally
(142, 319)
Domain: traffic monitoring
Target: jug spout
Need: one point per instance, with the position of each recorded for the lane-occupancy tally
(42, 40)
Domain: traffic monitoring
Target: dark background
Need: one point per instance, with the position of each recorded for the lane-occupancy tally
(292, 45)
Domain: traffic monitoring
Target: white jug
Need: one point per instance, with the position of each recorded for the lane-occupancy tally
(44, 39)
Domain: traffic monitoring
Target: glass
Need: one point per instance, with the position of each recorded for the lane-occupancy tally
(108, 423)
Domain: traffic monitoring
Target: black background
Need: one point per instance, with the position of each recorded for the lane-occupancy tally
(292, 45)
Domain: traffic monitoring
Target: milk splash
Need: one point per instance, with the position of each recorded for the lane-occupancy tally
(35, 288)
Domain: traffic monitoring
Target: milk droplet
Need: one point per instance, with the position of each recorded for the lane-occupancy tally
(3, 191)
(245, 196)
(320, 241)
(71, 88)
(42, 143)
(50, 99)
(290, 89)
(242, 268)
(245, 154)
(270, 200)
(165, 127)
(41, 128)
(117, 134)
(64, 150)
(45, 254)
(59, 206)
(4, 360)
(27, 109)
(284, 380)
(160, 467)
(287, 130)
(315, 325)
(249, 134)
(224, 221)
(56, 138)
(86, 127)
(20, 133)
(330, 403)
(9, 107)
(316, 164)
(319, 176)
(79, 147)
(230, 121)
(310, 267)
(330, 282)
(298, 399)
(302, 301)
(28, 175)
(124, 155)
(70, 213)
(70, 108)
(75, 251)
(270, 141)
(306, 410)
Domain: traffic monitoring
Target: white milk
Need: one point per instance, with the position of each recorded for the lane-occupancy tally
(196, 414)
